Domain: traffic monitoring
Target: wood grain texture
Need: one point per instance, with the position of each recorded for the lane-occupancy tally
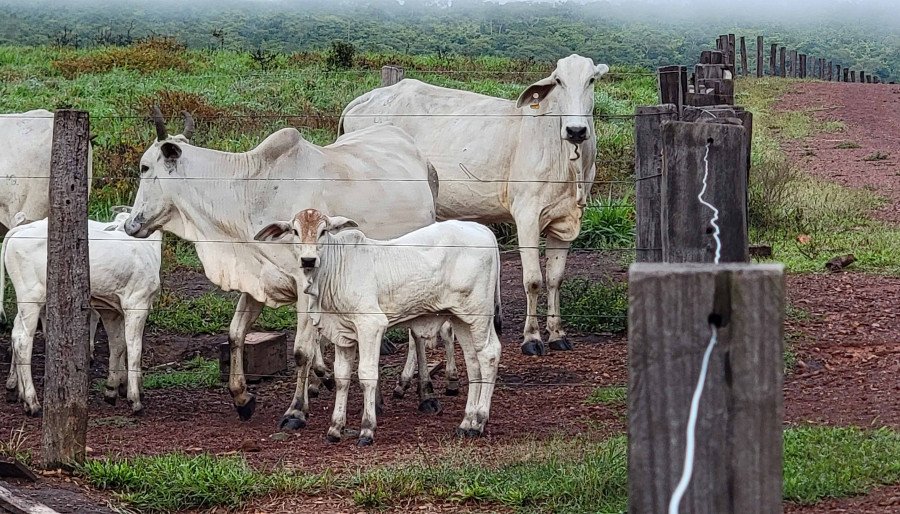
(68, 294)
(760, 63)
(648, 172)
(738, 460)
(390, 75)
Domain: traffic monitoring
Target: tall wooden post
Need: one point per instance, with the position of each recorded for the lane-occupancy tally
(390, 75)
(862, 76)
(67, 366)
(852, 75)
(648, 172)
(686, 229)
(794, 64)
(672, 85)
(802, 58)
(830, 68)
(772, 55)
(744, 71)
(760, 64)
(673, 311)
(781, 61)
(837, 73)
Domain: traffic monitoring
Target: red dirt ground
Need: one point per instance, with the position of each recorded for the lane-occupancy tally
(847, 344)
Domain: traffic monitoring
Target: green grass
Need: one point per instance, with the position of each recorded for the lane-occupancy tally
(211, 313)
(575, 475)
(594, 306)
(608, 223)
(608, 395)
(822, 462)
(192, 374)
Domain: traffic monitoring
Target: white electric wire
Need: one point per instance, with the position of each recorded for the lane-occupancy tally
(690, 432)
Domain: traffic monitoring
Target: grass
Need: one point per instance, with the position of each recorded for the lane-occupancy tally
(575, 475)
(211, 313)
(608, 223)
(847, 145)
(608, 395)
(877, 156)
(15, 446)
(594, 306)
(192, 374)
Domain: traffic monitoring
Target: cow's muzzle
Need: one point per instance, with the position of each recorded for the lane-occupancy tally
(308, 262)
(134, 227)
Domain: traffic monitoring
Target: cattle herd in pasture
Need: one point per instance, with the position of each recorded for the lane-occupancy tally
(383, 228)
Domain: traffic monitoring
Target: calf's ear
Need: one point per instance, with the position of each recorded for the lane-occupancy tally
(600, 70)
(536, 92)
(338, 223)
(273, 231)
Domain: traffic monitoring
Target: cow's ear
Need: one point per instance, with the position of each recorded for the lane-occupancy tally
(600, 70)
(273, 231)
(338, 223)
(170, 151)
(536, 92)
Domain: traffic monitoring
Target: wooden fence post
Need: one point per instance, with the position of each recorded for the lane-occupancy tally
(862, 76)
(744, 71)
(830, 77)
(760, 64)
(794, 64)
(672, 85)
(648, 172)
(869, 79)
(802, 66)
(837, 73)
(67, 365)
(852, 75)
(738, 460)
(781, 59)
(772, 52)
(686, 229)
(390, 75)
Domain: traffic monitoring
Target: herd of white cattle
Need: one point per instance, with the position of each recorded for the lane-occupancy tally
(382, 228)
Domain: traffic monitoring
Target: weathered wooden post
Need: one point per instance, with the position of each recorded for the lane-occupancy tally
(794, 66)
(390, 75)
(802, 66)
(876, 79)
(781, 59)
(744, 71)
(830, 77)
(852, 75)
(868, 79)
(67, 366)
(837, 73)
(760, 64)
(672, 85)
(772, 53)
(862, 76)
(648, 173)
(674, 309)
(686, 230)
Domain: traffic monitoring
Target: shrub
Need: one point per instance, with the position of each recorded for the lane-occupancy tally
(594, 306)
(145, 56)
(340, 55)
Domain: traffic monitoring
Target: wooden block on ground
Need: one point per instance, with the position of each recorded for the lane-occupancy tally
(11, 468)
(264, 356)
(14, 504)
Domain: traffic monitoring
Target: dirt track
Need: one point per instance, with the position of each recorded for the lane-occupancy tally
(848, 350)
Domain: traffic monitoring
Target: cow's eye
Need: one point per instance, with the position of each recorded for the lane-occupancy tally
(294, 231)
(592, 80)
(144, 168)
(558, 81)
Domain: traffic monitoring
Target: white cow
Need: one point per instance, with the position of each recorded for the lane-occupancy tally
(27, 138)
(219, 200)
(359, 287)
(125, 280)
(529, 161)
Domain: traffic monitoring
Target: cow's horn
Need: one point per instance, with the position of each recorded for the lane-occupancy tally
(161, 134)
(188, 125)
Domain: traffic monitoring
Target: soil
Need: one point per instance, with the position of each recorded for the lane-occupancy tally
(843, 331)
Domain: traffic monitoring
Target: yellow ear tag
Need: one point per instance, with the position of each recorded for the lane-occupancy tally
(534, 103)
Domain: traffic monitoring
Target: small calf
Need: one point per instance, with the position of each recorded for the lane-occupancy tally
(124, 283)
(359, 287)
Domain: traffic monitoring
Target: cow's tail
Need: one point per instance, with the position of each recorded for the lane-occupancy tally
(498, 310)
(359, 100)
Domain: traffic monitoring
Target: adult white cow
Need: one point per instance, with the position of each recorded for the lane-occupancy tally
(25, 165)
(530, 162)
(124, 284)
(219, 200)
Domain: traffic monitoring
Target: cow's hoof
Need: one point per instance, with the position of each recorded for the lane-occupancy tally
(328, 382)
(12, 396)
(312, 392)
(467, 432)
(562, 345)
(451, 391)
(332, 438)
(137, 411)
(34, 413)
(110, 399)
(398, 393)
(291, 423)
(387, 347)
(534, 348)
(245, 412)
(430, 406)
(123, 391)
(364, 441)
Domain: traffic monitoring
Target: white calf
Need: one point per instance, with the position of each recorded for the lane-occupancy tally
(124, 283)
(359, 287)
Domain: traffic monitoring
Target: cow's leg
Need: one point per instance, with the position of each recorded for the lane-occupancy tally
(427, 401)
(24, 327)
(367, 371)
(322, 375)
(557, 251)
(409, 368)
(305, 342)
(528, 233)
(134, 332)
(12, 379)
(343, 367)
(450, 372)
(117, 374)
(487, 349)
(95, 319)
(473, 371)
(248, 310)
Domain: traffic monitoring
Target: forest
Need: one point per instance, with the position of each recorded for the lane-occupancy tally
(626, 33)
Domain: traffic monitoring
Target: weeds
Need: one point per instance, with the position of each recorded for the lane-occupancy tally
(14, 447)
(609, 395)
(877, 156)
(607, 224)
(145, 56)
(847, 145)
(211, 313)
(594, 306)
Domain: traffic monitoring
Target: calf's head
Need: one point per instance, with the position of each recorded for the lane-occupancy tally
(569, 94)
(308, 232)
(153, 205)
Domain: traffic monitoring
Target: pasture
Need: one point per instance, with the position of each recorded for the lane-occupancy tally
(555, 441)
